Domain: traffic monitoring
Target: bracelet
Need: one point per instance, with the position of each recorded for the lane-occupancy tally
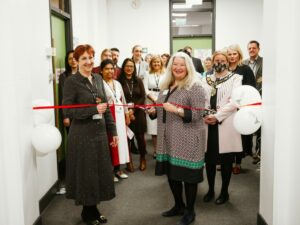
(180, 111)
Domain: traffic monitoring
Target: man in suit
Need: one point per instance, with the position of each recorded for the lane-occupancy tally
(140, 64)
(197, 62)
(115, 53)
(256, 64)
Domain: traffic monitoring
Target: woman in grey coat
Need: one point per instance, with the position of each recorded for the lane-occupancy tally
(89, 178)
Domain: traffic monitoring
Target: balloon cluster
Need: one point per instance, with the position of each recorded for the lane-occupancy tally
(248, 119)
(45, 137)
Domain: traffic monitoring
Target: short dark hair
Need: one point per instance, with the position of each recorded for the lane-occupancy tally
(106, 62)
(254, 42)
(115, 49)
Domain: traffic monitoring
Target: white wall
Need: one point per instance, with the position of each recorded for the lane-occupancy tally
(25, 75)
(238, 22)
(90, 24)
(147, 26)
(280, 180)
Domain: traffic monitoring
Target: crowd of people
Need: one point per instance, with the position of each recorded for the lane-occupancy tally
(157, 95)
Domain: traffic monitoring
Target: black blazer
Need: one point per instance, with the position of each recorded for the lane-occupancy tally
(198, 65)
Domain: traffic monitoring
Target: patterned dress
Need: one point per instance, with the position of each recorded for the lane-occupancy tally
(181, 141)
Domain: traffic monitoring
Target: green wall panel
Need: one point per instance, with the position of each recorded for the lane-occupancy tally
(195, 43)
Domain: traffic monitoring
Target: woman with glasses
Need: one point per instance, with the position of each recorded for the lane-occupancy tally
(134, 92)
(89, 171)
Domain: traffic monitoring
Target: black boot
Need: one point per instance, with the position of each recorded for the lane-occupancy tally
(175, 211)
(209, 196)
(188, 218)
(222, 199)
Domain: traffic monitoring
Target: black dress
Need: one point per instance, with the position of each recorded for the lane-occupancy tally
(212, 155)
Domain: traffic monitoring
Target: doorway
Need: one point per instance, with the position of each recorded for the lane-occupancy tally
(61, 41)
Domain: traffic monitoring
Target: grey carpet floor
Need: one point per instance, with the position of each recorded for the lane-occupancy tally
(143, 196)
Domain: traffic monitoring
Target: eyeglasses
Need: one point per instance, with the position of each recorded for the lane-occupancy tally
(129, 66)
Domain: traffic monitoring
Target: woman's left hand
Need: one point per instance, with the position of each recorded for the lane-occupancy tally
(170, 107)
(115, 141)
(210, 119)
(127, 119)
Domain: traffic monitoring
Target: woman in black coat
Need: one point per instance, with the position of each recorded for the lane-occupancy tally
(235, 65)
(134, 92)
(89, 179)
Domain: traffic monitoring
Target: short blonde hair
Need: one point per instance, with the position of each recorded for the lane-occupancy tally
(220, 52)
(236, 47)
(187, 82)
(156, 57)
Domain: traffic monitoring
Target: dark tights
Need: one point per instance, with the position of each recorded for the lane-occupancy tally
(90, 212)
(140, 138)
(226, 169)
(190, 193)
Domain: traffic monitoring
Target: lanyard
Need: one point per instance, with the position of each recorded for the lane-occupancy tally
(113, 90)
(91, 87)
(156, 79)
(130, 89)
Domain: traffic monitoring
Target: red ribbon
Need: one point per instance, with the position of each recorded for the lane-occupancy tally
(127, 105)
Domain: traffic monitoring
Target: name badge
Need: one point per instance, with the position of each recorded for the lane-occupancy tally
(165, 92)
(97, 117)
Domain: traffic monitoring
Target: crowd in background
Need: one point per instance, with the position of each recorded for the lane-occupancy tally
(101, 139)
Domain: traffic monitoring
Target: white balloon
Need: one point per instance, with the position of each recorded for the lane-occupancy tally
(244, 95)
(45, 139)
(42, 116)
(248, 120)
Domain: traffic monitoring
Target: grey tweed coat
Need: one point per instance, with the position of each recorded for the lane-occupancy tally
(89, 170)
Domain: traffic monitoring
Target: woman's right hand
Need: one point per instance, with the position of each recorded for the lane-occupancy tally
(151, 111)
(66, 122)
(101, 108)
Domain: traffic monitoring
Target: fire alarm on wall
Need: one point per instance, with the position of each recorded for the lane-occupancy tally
(136, 4)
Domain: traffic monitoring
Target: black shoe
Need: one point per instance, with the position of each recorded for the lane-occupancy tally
(175, 211)
(92, 222)
(222, 199)
(102, 219)
(256, 160)
(188, 218)
(209, 196)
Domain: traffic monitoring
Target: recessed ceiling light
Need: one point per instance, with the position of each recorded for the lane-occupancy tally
(179, 14)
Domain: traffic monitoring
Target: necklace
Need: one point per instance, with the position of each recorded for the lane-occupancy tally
(130, 89)
(216, 82)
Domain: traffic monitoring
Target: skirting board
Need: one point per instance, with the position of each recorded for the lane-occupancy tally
(47, 198)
